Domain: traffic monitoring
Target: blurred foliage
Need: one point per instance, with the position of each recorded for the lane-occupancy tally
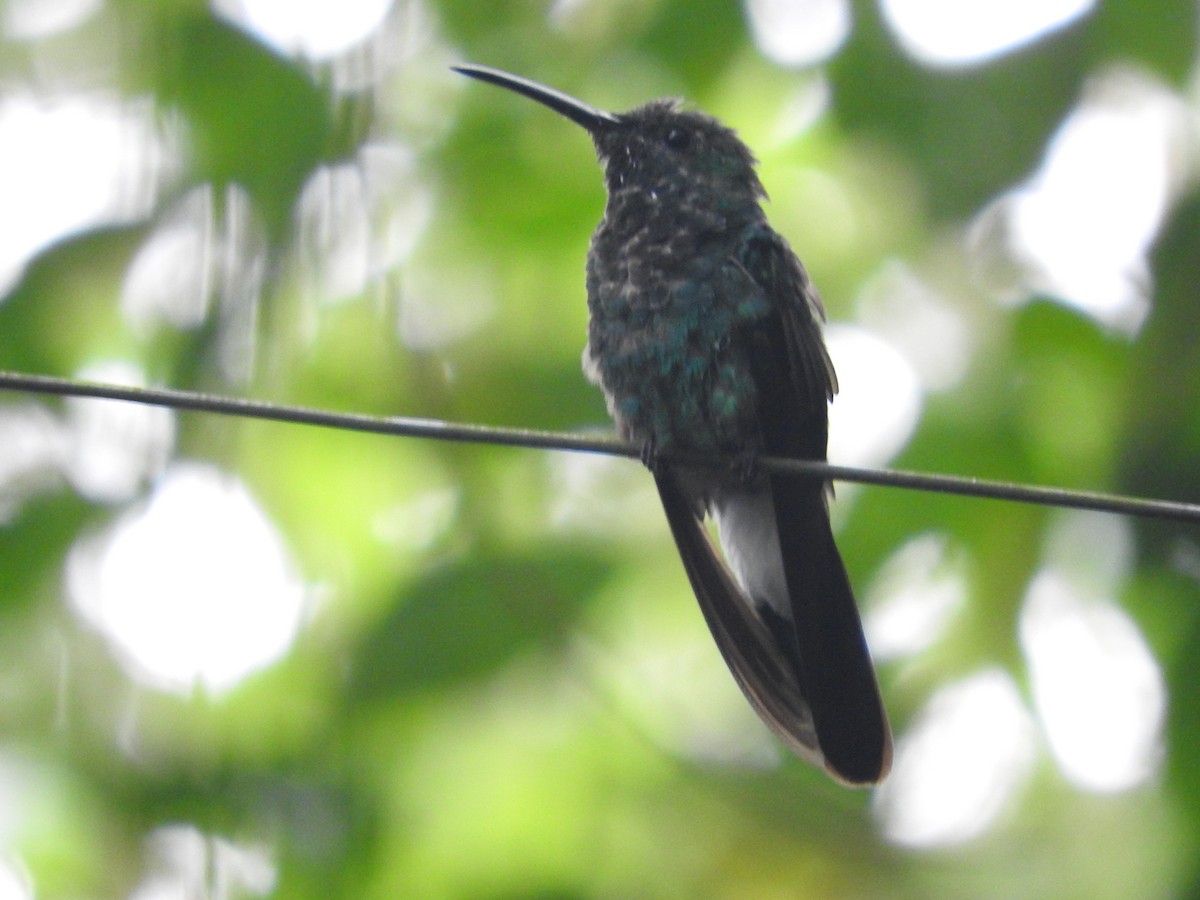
(475, 707)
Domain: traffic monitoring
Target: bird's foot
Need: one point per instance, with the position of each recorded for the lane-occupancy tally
(744, 466)
(650, 457)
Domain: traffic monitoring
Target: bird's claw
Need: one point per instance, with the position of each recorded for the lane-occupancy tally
(650, 457)
(744, 466)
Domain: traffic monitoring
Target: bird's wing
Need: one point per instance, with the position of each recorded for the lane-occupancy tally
(794, 381)
(807, 382)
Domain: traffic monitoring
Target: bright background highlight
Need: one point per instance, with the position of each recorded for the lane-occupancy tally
(243, 659)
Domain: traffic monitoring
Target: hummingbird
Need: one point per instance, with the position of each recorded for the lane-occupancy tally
(705, 336)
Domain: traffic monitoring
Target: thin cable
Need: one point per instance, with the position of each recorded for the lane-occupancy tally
(436, 429)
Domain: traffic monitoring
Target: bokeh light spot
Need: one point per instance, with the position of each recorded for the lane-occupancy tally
(359, 220)
(1079, 230)
(33, 446)
(1099, 692)
(314, 29)
(192, 586)
(927, 327)
(31, 20)
(115, 447)
(185, 862)
(958, 765)
(74, 162)
(879, 400)
(798, 32)
(950, 32)
(15, 883)
(915, 593)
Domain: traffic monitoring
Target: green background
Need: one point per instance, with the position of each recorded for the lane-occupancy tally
(456, 720)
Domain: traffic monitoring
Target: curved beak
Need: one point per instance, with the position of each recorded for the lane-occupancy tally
(594, 120)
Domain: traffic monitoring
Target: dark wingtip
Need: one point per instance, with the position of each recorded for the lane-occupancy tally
(862, 766)
(851, 720)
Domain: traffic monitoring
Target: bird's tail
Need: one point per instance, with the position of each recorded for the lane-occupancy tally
(763, 670)
(835, 664)
(790, 631)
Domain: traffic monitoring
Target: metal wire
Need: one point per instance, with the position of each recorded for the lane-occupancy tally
(435, 429)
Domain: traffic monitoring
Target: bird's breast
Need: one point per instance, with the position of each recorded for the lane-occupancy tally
(665, 340)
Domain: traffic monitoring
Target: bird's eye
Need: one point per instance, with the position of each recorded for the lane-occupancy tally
(678, 138)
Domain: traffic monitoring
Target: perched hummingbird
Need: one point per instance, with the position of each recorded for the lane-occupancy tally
(705, 336)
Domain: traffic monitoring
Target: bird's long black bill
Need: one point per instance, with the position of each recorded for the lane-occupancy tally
(576, 110)
(763, 670)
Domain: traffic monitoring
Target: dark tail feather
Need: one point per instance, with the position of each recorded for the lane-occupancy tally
(764, 670)
(836, 668)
